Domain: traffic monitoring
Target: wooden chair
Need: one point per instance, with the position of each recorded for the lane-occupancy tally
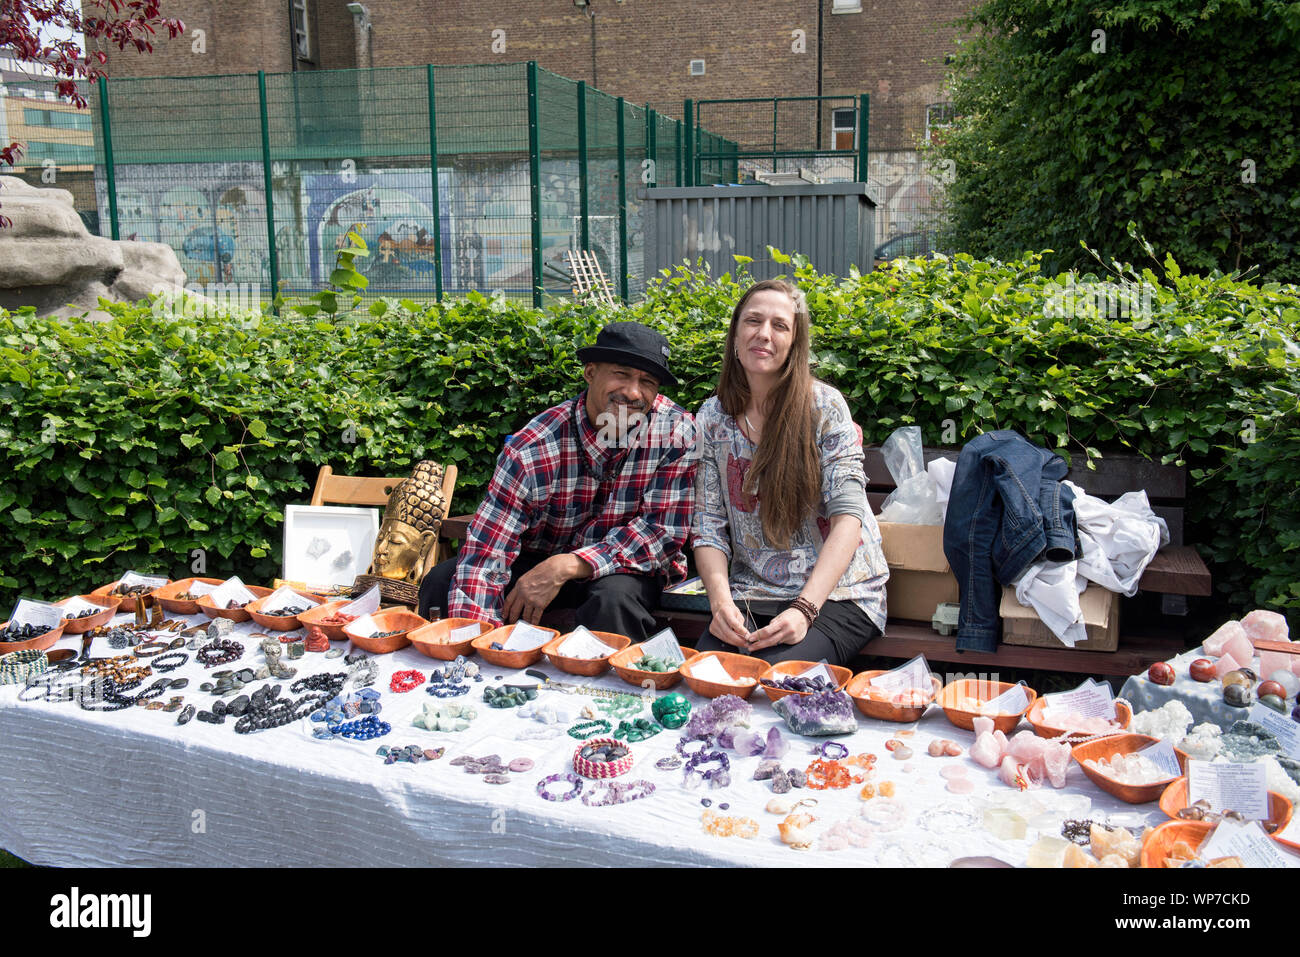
(363, 490)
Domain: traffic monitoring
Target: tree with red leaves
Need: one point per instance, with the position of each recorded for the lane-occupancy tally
(25, 26)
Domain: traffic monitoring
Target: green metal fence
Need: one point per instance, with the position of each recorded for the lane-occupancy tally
(459, 178)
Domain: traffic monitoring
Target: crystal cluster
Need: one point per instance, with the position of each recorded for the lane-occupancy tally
(830, 712)
(748, 743)
(722, 713)
(1168, 722)
(1203, 743)
(1129, 769)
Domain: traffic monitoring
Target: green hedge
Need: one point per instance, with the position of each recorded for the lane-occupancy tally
(132, 442)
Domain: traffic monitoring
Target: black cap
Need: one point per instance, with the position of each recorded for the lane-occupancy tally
(631, 344)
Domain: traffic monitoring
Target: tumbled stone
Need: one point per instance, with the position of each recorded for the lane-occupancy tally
(766, 770)
(1238, 696)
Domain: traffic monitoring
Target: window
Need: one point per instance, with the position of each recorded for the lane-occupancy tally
(697, 68)
(846, 6)
(937, 116)
(57, 119)
(844, 129)
(301, 30)
(63, 153)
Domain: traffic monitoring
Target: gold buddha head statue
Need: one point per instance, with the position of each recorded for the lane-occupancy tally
(408, 534)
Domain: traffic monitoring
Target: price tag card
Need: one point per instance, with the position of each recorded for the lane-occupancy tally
(1162, 755)
(526, 637)
(912, 676)
(1287, 731)
(1230, 787)
(199, 589)
(819, 670)
(711, 669)
(134, 578)
(76, 604)
(464, 633)
(1092, 699)
(1246, 840)
(581, 643)
(28, 611)
(285, 597)
(364, 626)
(1009, 702)
(664, 645)
(232, 589)
(367, 604)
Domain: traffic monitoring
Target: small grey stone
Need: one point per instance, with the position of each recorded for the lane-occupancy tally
(780, 783)
(261, 673)
(220, 627)
(766, 769)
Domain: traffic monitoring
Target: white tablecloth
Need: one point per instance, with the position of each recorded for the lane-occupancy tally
(132, 788)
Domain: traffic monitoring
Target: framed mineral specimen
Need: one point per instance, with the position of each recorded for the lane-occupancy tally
(328, 544)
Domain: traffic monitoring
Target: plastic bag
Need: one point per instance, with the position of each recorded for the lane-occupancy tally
(915, 500)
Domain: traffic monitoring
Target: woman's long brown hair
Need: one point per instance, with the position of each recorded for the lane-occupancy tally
(786, 472)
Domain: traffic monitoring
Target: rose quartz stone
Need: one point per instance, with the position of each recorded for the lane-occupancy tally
(952, 771)
(1240, 648)
(1261, 625)
(1224, 665)
(1271, 661)
(986, 751)
(982, 725)
(960, 785)
(1056, 757)
(1214, 645)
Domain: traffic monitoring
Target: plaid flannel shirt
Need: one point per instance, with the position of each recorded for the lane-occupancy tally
(558, 488)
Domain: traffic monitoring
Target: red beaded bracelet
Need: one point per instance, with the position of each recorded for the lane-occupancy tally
(405, 681)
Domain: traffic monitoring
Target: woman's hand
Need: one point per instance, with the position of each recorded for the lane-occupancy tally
(788, 628)
(728, 625)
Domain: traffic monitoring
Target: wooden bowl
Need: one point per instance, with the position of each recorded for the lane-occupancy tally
(1158, 841)
(79, 626)
(1125, 743)
(1123, 713)
(880, 708)
(1174, 799)
(431, 639)
(396, 619)
(983, 691)
(783, 668)
(104, 590)
(624, 665)
(234, 614)
(312, 618)
(279, 622)
(507, 659)
(585, 667)
(738, 666)
(181, 606)
(40, 643)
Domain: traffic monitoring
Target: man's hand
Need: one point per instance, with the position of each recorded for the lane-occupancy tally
(788, 628)
(728, 625)
(536, 589)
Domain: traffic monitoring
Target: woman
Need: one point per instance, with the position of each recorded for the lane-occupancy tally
(781, 498)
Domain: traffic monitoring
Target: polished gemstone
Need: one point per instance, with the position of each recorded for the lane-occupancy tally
(1161, 673)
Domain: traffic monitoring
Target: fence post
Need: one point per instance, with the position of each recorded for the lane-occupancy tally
(677, 153)
(622, 202)
(651, 144)
(584, 202)
(437, 208)
(864, 114)
(266, 180)
(535, 180)
(110, 175)
(688, 113)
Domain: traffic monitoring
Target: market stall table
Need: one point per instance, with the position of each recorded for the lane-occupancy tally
(134, 788)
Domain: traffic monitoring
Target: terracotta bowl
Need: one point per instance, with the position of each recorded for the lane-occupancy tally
(279, 622)
(784, 668)
(983, 691)
(880, 708)
(176, 606)
(432, 639)
(1159, 840)
(738, 666)
(396, 619)
(234, 614)
(507, 659)
(105, 589)
(79, 626)
(624, 664)
(46, 640)
(1125, 743)
(312, 617)
(1123, 713)
(585, 667)
(1174, 799)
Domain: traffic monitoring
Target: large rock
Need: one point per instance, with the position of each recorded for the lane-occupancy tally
(49, 260)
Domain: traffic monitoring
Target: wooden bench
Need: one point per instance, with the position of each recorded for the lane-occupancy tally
(1176, 573)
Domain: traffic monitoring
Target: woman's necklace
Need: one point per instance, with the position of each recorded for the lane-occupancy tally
(753, 432)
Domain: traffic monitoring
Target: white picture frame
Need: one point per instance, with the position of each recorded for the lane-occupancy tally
(318, 538)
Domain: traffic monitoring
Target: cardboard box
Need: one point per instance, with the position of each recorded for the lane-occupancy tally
(919, 575)
(1100, 607)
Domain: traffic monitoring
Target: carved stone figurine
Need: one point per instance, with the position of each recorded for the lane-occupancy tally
(408, 535)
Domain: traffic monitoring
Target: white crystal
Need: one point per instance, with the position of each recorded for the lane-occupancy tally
(1129, 769)
(1204, 742)
(1170, 721)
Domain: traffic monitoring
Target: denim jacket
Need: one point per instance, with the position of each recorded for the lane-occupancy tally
(1007, 510)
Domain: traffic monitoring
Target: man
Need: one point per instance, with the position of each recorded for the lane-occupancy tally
(589, 505)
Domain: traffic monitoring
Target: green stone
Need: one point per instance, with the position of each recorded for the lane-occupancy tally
(1274, 702)
(671, 710)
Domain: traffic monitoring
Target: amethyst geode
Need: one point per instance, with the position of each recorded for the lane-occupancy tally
(816, 715)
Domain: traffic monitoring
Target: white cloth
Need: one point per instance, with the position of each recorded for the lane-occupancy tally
(1052, 590)
(1117, 539)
